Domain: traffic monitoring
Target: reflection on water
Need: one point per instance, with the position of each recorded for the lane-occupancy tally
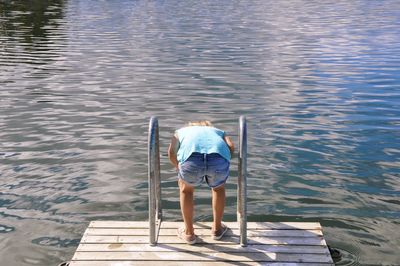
(319, 83)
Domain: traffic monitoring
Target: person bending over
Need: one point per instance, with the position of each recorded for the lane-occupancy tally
(201, 152)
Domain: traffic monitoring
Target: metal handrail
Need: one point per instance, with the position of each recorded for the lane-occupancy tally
(154, 179)
(242, 181)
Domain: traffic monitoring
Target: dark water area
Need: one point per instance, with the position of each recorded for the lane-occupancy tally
(319, 82)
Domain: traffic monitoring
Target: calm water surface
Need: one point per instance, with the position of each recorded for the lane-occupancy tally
(318, 80)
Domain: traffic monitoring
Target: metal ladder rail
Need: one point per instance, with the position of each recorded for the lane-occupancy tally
(242, 181)
(154, 181)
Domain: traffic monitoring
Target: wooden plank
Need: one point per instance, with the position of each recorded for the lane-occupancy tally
(203, 248)
(202, 232)
(207, 225)
(205, 256)
(192, 263)
(226, 240)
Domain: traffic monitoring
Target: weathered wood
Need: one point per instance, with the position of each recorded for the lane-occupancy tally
(207, 225)
(201, 232)
(203, 248)
(192, 263)
(226, 240)
(126, 243)
(204, 256)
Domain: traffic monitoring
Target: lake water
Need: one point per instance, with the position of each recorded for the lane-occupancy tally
(319, 82)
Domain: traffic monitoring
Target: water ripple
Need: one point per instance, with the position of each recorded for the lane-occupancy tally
(319, 83)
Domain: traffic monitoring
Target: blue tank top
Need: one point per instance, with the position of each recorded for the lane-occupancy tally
(201, 139)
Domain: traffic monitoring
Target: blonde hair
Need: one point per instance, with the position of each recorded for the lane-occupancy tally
(204, 123)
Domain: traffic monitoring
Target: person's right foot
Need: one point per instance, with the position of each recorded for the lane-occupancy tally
(189, 239)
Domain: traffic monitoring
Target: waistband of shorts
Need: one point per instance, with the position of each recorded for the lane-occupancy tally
(205, 155)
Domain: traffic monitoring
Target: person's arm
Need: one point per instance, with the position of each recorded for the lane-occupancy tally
(230, 145)
(173, 151)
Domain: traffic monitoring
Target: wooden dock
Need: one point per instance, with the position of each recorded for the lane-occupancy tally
(119, 243)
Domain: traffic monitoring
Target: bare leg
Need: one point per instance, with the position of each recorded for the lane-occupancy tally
(187, 205)
(218, 205)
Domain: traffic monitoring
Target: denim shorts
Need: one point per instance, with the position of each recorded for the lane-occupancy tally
(199, 166)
